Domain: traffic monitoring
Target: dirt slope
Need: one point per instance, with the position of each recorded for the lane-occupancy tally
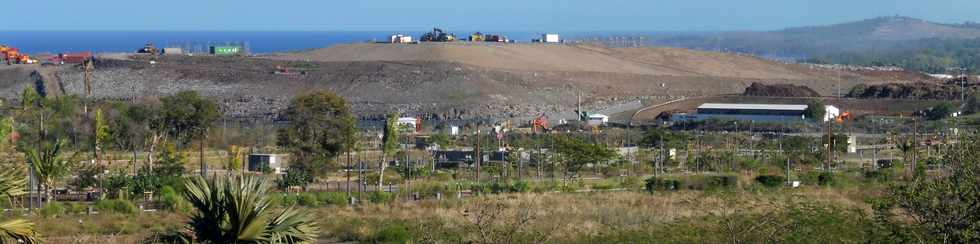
(549, 57)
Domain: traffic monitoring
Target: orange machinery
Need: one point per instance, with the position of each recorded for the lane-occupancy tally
(540, 124)
(13, 56)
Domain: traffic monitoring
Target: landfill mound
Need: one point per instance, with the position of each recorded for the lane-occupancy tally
(915, 90)
(453, 82)
(779, 90)
(564, 58)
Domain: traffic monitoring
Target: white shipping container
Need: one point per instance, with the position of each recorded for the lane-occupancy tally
(550, 38)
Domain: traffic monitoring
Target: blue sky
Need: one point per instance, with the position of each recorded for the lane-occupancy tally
(517, 15)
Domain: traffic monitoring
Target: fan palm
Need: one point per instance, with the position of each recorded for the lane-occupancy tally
(12, 184)
(48, 164)
(235, 209)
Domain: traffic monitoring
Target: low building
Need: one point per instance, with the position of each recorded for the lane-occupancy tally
(173, 51)
(751, 112)
(267, 163)
(401, 39)
(550, 38)
(598, 119)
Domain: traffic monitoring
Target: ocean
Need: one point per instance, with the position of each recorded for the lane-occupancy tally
(39, 42)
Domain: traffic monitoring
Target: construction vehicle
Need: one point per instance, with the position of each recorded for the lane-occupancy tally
(149, 48)
(437, 35)
(12, 55)
(477, 37)
(540, 124)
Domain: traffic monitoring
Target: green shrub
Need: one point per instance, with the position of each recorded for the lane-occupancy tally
(392, 233)
(75, 208)
(721, 181)
(654, 184)
(632, 182)
(520, 186)
(881, 175)
(497, 187)
(120, 206)
(333, 198)
(770, 180)
(826, 179)
(52, 210)
(172, 201)
(603, 185)
(307, 199)
(288, 200)
(381, 197)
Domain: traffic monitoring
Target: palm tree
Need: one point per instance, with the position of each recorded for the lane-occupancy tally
(48, 165)
(12, 184)
(235, 209)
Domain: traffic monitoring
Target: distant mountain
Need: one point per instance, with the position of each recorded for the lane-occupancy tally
(901, 41)
(896, 28)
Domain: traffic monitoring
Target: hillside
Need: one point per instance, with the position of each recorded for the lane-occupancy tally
(447, 82)
(883, 35)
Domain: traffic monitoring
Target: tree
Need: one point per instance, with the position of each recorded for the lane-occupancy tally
(940, 111)
(389, 144)
(49, 164)
(320, 128)
(236, 210)
(656, 137)
(973, 104)
(12, 184)
(101, 133)
(187, 115)
(942, 209)
(578, 153)
(815, 111)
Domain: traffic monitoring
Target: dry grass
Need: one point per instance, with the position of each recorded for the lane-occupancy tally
(559, 217)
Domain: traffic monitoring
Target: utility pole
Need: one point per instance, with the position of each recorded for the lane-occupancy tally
(204, 166)
(914, 145)
(479, 155)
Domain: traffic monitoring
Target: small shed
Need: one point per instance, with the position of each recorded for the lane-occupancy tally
(265, 163)
(173, 51)
(598, 119)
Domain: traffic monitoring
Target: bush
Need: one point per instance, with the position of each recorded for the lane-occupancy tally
(52, 210)
(826, 179)
(654, 184)
(307, 199)
(881, 175)
(333, 198)
(721, 181)
(172, 201)
(392, 233)
(381, 197)
(770, 180)
(120, 206)
(632, 182)
(520, 186)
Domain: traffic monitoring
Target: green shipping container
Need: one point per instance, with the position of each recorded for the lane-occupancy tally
(226, 50)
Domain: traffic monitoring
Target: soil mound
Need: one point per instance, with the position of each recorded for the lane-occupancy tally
(779, 90)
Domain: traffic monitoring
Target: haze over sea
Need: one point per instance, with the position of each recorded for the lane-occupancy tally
(257, 41)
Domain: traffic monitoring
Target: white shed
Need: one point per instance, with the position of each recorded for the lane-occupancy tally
(830, 113)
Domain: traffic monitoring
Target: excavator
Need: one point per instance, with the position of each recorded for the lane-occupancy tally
(437, 35)
(149, 48)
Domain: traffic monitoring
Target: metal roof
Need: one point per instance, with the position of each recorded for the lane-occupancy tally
(753, 106)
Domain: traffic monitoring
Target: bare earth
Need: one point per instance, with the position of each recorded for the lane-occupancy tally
(444, 81)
